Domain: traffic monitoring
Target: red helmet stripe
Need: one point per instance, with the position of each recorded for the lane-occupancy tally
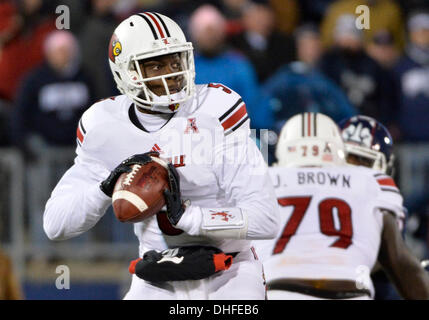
(309, 124)
(163, 24)
(150, 25)
(156, 23)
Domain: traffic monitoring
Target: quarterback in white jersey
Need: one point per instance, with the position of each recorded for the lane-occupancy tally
(332, 216)
(204, 131)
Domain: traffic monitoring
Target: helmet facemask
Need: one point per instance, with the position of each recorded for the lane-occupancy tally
(138, 86)
(369, 158)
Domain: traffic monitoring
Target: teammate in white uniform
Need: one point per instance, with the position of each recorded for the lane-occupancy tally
(203, 130)
(333, 219)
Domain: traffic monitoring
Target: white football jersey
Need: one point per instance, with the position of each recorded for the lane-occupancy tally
(208, 141)
(331, 222)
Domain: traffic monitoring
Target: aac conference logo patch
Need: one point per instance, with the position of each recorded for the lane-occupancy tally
(115, 48)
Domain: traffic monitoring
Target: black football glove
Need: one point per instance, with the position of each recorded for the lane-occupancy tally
(108, 185)
(180, 264)
(173, 199)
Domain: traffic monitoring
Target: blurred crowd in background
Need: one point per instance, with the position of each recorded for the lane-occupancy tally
(282, 56)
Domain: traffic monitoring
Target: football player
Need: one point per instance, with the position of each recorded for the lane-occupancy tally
(204, 131)
(368, 143)
(337, 220)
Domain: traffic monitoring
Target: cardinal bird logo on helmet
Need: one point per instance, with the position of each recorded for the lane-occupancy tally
(174, 107)
(115, 48)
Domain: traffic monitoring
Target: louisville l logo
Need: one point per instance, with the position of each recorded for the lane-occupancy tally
(191, 126)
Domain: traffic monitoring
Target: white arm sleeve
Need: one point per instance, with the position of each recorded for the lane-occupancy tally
(77, 203)
(243, 177)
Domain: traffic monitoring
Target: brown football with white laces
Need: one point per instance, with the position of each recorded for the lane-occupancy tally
(139, 194)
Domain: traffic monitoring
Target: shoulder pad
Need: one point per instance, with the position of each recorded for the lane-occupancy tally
(227, 106)
(389, 195)
(97, 113)
(386, 183)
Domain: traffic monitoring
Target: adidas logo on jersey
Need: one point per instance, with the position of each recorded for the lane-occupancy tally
(156, 148)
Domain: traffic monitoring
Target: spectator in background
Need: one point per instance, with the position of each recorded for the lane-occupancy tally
(382, 49)
(24, 25)
(308, 44)
(298, 87)
(364, 81)
(412, 74)
(383, 15)
(52, 97)
(412, 71)
(215, 62)
(266, 48)
(95, 34)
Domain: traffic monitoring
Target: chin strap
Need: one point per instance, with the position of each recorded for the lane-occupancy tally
(160, 103)
(158, 108)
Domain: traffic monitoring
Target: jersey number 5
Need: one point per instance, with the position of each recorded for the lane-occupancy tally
(218, 85)
(326, 219)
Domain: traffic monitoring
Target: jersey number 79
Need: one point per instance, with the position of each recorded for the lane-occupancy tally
(326, 220)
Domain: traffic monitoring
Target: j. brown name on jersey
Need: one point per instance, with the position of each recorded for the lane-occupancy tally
(324, 178)
(319, 178)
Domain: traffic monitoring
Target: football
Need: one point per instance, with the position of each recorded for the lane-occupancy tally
(138, 194)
